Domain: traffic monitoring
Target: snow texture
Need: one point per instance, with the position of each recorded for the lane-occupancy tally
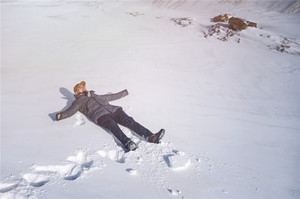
(229, 100)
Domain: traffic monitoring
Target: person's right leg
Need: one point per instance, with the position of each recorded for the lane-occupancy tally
(107, 122)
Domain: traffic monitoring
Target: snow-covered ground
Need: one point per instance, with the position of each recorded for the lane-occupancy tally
(230, 108)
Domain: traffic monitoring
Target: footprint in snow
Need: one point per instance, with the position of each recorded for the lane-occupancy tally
(68, 172)
(131, 171)
(177, 161)
(36, 180)
(174, 192)
(73, 172)
(5, 187)
(225, 191)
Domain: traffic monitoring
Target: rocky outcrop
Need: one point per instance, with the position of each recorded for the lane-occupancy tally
(225, 31)
(237, 24)
(184, 21)
(221, 18)
(222, 33)
(234, 22)
(251, 24)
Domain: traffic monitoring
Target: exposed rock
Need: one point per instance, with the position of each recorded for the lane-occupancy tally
(135, 14)
(285, 45)
(184, 21)
(251, 24)
(237, 24)
(234, 22)
(281, 44)
(221, 18)
(231, 32)
(223, 33)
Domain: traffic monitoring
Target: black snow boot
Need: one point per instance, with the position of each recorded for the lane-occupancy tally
(155, 138)
(131, 146)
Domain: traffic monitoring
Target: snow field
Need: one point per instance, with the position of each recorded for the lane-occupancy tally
(230, 110)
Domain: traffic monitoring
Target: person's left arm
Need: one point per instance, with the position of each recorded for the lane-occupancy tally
(115, 96)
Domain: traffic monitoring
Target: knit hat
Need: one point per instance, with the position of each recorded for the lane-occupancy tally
(79, 84)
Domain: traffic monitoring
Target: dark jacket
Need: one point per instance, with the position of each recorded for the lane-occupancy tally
(92, 105)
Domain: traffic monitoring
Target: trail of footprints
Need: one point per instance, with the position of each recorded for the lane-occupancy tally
(149, 161)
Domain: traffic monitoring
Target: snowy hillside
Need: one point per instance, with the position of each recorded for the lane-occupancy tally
(229, 100)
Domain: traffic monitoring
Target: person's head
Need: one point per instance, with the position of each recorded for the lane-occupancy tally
(79, 88)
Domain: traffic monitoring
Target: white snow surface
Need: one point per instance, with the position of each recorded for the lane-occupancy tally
(230, 108)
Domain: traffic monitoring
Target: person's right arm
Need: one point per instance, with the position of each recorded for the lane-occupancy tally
(70, 111)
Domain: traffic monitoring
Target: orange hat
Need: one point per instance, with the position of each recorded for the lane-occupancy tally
(77, 85)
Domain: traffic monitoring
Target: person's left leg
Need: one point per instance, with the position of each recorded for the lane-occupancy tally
(122, 118)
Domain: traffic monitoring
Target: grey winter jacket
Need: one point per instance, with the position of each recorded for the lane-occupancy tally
(92, 105)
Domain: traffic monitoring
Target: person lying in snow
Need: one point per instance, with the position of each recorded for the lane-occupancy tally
(97, 108)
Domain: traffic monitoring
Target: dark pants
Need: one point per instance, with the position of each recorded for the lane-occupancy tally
(111, 121)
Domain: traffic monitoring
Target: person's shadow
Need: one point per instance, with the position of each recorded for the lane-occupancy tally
(69, 96)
